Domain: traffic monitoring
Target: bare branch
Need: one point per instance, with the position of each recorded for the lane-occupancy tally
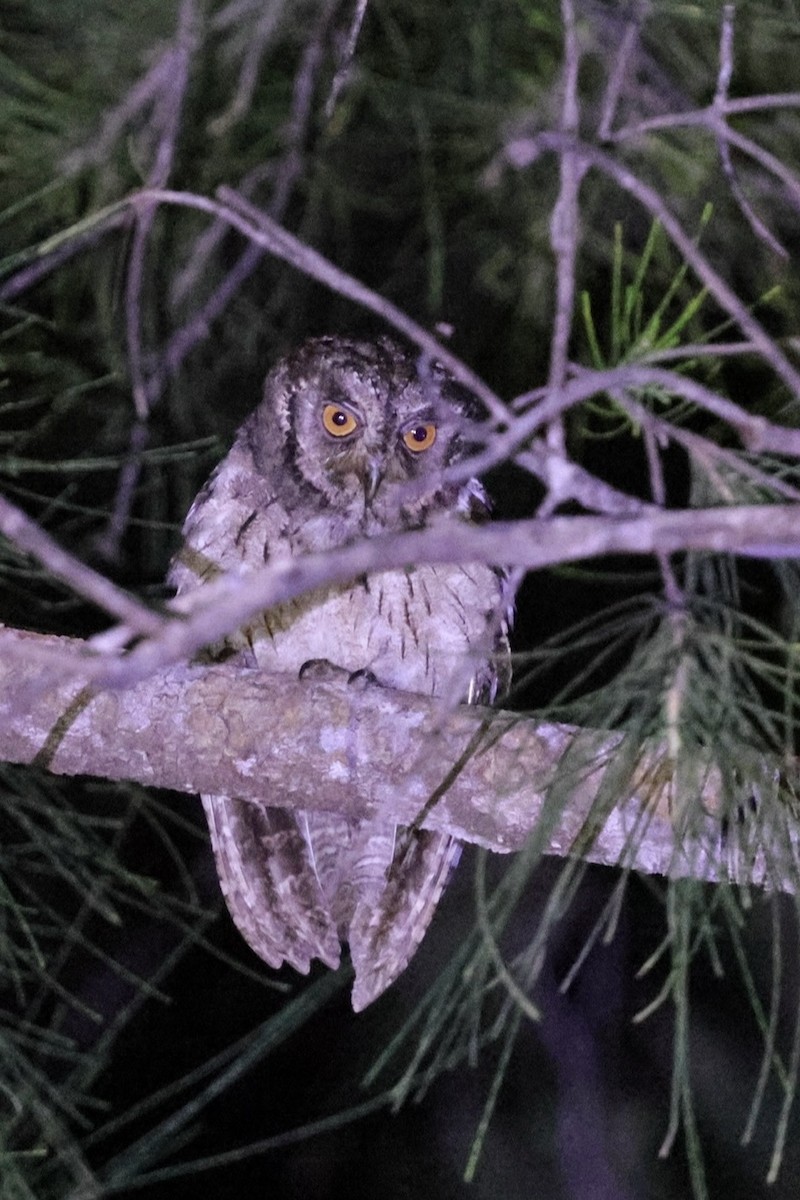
(708, 454)
(143, 94)
(240, 732)
(260, 36)
(27, 536)
(522, 152)
(57, 251)
(219, 607)
(345, 56)
(286, 172)
(748, 104)
(566, 480)
(618, 72)
(763, 531)
(691, 350)
(712, 120)
(263, 231)
(565, 224)
(756, 433)
(723, 143)
(167, 104)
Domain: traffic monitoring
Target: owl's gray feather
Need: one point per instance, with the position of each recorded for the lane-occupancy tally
(341, 448)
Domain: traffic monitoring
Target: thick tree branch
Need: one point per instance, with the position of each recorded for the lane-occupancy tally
(482, 775)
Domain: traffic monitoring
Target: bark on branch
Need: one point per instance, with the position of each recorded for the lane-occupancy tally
(482, 775)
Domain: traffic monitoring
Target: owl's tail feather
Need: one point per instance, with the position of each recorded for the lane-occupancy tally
(388, 926)
(269, 883)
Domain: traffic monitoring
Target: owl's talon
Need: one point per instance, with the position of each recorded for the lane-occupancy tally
(363, 679)
(746, 810)
(320, 670)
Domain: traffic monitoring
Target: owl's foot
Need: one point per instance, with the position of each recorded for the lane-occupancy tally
(744, 814)
(363, 679)
(322, 670)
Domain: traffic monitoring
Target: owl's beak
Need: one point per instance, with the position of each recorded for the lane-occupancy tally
(372, 479)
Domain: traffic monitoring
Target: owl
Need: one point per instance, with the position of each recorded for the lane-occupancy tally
(350, 440)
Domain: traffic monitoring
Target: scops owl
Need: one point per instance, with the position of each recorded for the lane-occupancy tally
(351, 439)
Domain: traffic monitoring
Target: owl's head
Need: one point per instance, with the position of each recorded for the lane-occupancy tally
(367, 428)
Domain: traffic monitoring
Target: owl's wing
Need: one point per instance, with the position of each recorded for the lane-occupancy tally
(391, 919)
(235, 519)
(387, 928)
(270, 884)
(265, 863)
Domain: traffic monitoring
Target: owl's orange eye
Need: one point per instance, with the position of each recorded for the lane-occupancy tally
(338, 421)
(420, 437)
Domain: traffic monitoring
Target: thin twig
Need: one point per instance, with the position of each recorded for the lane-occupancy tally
(123, 115)
(755, 432)
(749, 104)
(718, 106)
(619, 70)
(286, 173)
(167, 106)
(710, 120)
(30, 538)
(265, 232)
(134, 286)
(259, 38)
(766, 160)
(234, 13)
(653, 441)
(47, 261)
(565, 223)
(345, 57)
(107, 543)
(203, 248)
(566, 481)
(691, 350)
(705, 452)
(522, 152)
(743, 104)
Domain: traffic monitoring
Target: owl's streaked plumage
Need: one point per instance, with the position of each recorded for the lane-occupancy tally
(351, 439)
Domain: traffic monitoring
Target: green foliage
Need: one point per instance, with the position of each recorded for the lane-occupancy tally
(633, 333)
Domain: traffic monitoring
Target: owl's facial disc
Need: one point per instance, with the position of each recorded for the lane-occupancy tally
(372, 442)
(344, 424)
